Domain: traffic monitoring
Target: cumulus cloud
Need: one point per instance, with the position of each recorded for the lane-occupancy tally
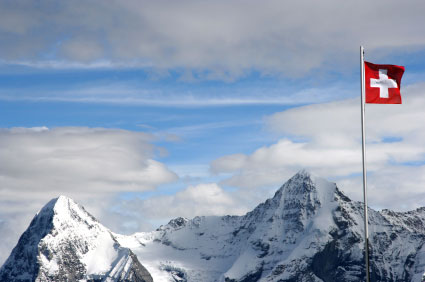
(134, 214)
(202, 199)
(89, 165)
(326, 139)
(217, 39)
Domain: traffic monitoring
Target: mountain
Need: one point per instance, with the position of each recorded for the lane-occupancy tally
(65, 243)
(309, 231)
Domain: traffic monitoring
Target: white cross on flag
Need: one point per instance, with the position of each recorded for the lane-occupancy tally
(383, 83)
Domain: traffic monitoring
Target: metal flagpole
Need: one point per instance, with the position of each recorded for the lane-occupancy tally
(366, 231)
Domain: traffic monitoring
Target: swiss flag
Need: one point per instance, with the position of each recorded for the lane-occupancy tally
(382, 83)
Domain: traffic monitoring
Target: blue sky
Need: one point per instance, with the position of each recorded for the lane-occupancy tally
(143, 111)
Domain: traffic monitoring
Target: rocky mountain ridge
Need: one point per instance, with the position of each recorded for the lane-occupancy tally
(309, 231)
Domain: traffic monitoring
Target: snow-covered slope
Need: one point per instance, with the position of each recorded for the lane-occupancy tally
(309, 231)
(65, 243)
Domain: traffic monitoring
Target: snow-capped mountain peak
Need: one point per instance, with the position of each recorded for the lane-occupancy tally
(65, 243)
(67, 209)
(309, 231)
(62, 213)
(298, 201)
(305, 185)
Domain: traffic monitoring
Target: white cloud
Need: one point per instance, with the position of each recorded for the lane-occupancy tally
(343, 118)
(326, 139)
(216, 39)
(202, 199)
(206, 199)
(135, 93)
(87, 160)
(89, 165)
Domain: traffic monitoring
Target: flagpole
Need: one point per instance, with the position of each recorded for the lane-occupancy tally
(366, 231)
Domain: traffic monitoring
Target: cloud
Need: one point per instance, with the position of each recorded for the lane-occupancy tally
(214, 39)
(83, 50)
(202, 199)
(87, 160)
(90, 165)
(326, 139)
(399, 188)
(342, 118)
(136, 93)
(127, 215)
(136, 214)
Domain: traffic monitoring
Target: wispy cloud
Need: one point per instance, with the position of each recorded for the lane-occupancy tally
(56, 64)
(132, 93)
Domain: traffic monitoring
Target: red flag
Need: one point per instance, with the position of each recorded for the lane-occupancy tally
(383, 83)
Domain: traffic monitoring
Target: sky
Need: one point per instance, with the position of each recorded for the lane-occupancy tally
(143, 111)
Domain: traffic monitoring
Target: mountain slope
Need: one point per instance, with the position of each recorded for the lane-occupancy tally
(309, 231)
(65, 243)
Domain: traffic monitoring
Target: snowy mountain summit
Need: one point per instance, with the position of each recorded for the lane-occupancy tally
(65, 243)
(309, 231)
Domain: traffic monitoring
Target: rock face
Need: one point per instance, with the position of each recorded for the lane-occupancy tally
(65, 243)
(309, 231)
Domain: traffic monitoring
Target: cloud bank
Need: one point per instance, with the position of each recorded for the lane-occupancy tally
(215, 39)
(90, 165)
(202, 199)
(326, 139)
(76, 159)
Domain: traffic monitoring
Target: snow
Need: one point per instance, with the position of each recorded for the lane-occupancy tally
(73, 235)
(280, 236)
(245, 263)
(51, 265)
(326, 194)
(419, 269)
(217, 252)
(100, 258)
(234, 256)
(122, 264)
